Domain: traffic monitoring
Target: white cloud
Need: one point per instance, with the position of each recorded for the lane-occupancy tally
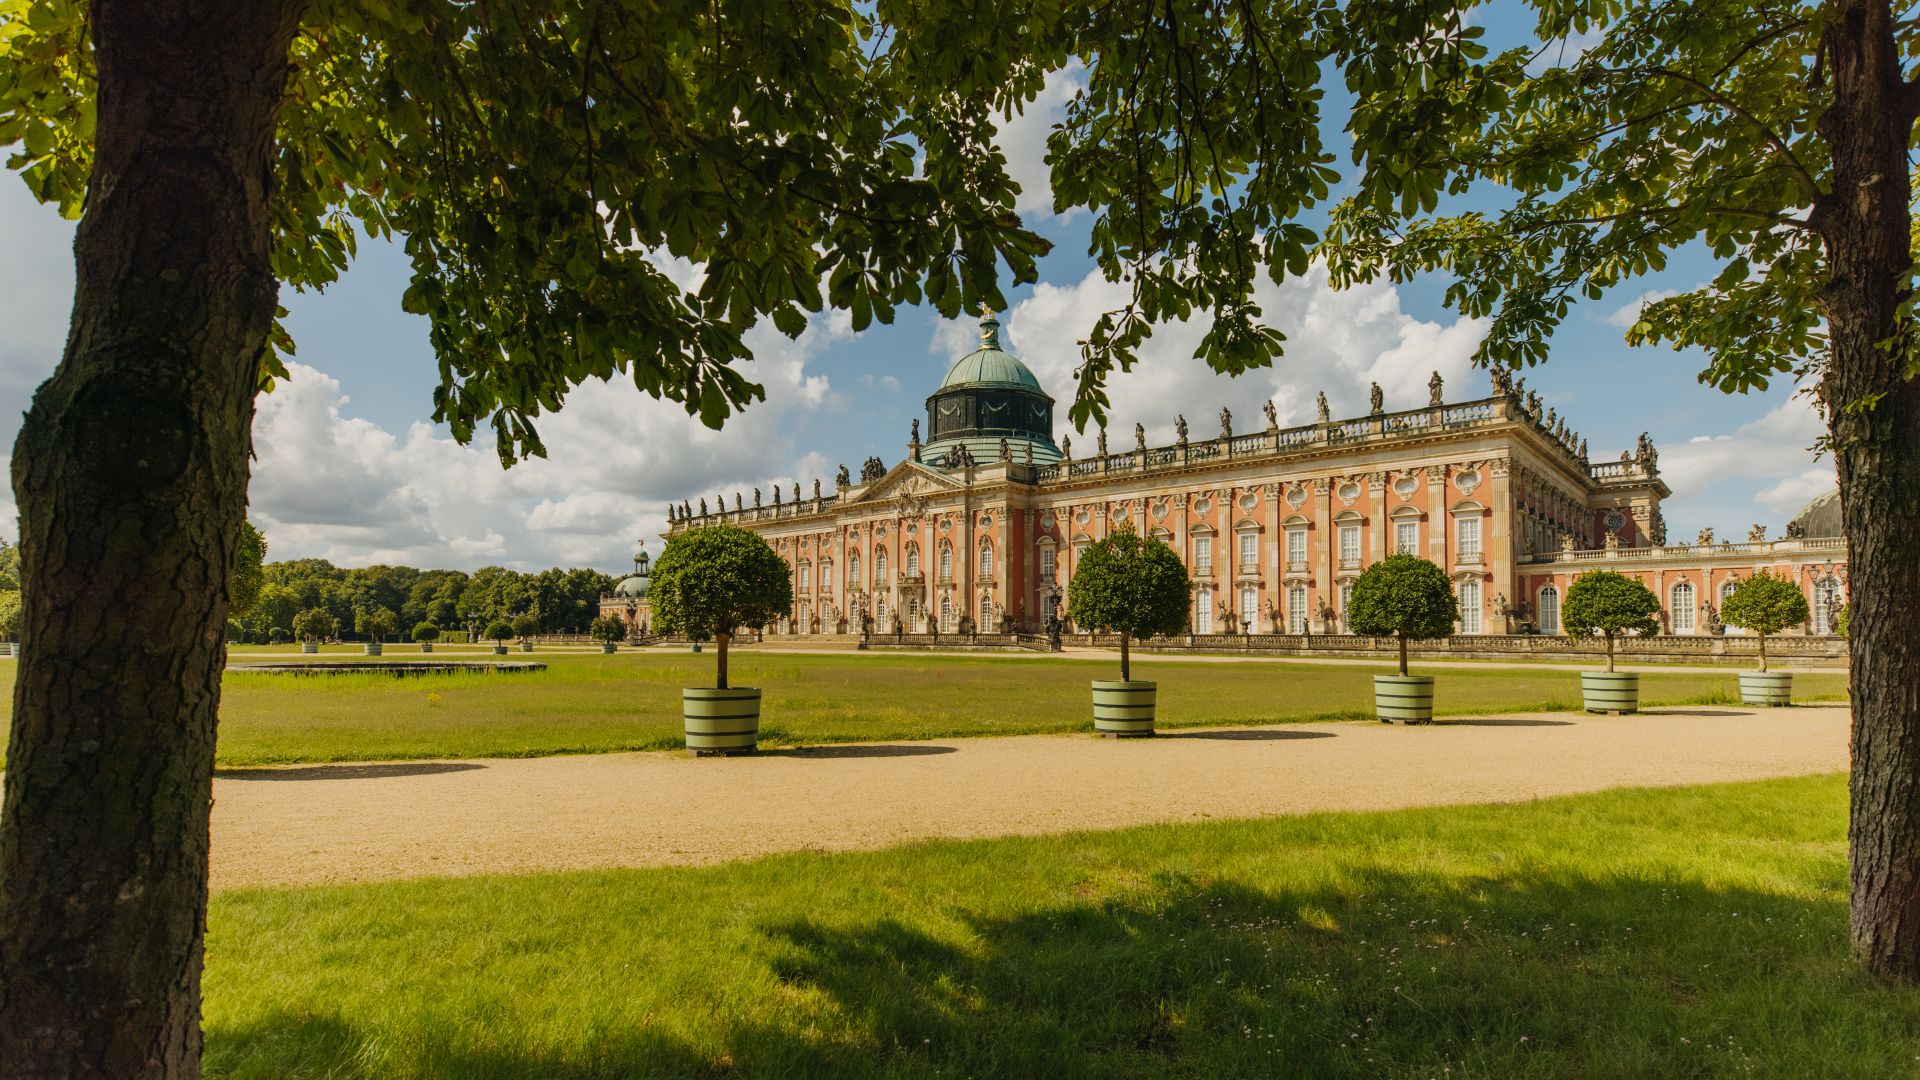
(1628, 313)
(1771, 458)
(334, 486)
(36, 295)
(884, 382)
(1338, 341)
(1023, 139)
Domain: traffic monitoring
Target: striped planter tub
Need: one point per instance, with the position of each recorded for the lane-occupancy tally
(1123, 710)
(721, 721)
(1610, 691)
(1766, 688)
(1403, 699)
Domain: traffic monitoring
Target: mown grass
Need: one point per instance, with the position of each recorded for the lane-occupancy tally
(589, 703)
(1679, 932)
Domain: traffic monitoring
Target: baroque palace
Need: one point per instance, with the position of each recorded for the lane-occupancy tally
(981, 526)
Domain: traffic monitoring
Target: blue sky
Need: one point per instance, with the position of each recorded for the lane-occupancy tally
(351, 468)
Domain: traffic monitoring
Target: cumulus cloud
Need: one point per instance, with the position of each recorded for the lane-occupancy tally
(1023, 139)
(36, 296)
(335, 486)
(1766, 463)
(1337, 341)
(1628, 313)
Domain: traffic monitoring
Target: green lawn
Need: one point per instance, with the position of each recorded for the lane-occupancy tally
(1682, 932)
(586, 703)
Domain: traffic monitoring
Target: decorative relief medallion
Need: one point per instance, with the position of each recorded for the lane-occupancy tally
(1406, 486)
(879, 532)
(1081, 517)
(1297, 497)
(1160, 510)
(946, 525)
(1203, 505)
(1467, 481)
(1248, 501)
(1616, 519)
(986, 521)
(1349, 493)
(1120, 515)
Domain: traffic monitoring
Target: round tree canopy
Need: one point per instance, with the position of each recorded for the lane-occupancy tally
(1130, 586)
(526, 625)
(1765, 604)
(712, 579)
(1608, 604)
(1403, 596)
(499, 630)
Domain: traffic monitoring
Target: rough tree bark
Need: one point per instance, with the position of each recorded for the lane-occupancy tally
(720, 642)
(131, 476)
(1874, 418)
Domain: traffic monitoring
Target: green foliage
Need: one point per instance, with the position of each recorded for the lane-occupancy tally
(715, 579)
(1765, 604)
(1608, 604)
(248, 577)
(10, 612)
(525, 626)
(499, 630)
(1843, 620)
(9, 565)
(426, 631)
(1403, 596)
(1130, 585)
(608, 628)
(374, 623)
(315, 624)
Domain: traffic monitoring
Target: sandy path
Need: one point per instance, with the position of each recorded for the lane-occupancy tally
(332, 823)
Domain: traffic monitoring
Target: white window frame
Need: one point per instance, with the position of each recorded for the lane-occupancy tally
(853, 569)
(1249, 609)
(1203, 611)
(946, 562)
(1297, 548)
(1471, 602)
(1203, 554)
(1406, 536)
(1682, 616)
(1548, 605)
(1296, 609)
(879, 566)
(986, 558)
(1346, 599)
(1349, 547)
(913, 559)
(1049, 564)
(1249, 550)
(1826, 601)
(1466, 536)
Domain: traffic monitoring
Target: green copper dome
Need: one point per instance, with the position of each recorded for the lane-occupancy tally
(989, 365)
(635, 587)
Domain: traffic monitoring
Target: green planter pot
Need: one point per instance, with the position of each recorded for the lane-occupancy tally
(1610, 691)
(1766, 688)
(6, 648)
(499, 650)
(721, 721)
(426, 646)
(526, 646)
(309, 646)
(1123, 710)
(609, 648)
(373, 648)
(1403, 699)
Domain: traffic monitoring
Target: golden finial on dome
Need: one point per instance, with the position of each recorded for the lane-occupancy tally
(989, 329)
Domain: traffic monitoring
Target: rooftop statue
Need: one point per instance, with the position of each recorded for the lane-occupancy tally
(1140, 437)
(1434, 387)
(1320, 407)
(1180, 429)
(1273, 417)
(1226, 423)
(1376, 400)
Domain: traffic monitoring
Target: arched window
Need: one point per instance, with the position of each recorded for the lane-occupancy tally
(1549, 610)
(806, 577)
(1680, 611)
(853, 568)
(913, 616)
(1470, 605)
(913, 559)
(1726, 594)
(946, 613)
(1249, 609)
(1296, 609)
(880, 611)
(1826, 605)
(946, 563)
(826, 575)
(1346, 600)
(879, 566)
(1049, 564)
(986, 559)
(1203, 612)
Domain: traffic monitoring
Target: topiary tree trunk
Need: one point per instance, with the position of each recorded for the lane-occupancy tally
(720, 641)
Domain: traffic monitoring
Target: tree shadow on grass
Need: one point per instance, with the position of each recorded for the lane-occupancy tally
(363, 771)
(1173, 975)
(859, 750)
(1243, 734)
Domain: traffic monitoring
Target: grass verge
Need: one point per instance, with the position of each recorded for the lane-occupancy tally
(1677, 932)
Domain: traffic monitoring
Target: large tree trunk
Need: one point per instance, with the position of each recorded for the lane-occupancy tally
(1126, 661)
(1874, 414)
(131, 476)
(720, 642)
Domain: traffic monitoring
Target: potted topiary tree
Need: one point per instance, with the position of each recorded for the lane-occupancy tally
(1136, 588)
(608, 631)
(524, 627)
(313, 626)
(377, 623)
(1409, 599)
(498, 631)
(1608, 604)
(709, 582)
(276, 636)
(426, 633)
(1765, 604)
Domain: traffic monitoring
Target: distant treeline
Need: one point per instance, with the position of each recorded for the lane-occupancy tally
(564, 601)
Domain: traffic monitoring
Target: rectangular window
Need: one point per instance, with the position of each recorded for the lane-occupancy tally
(1249, 550)
(1249, 610)
(1468, 534)
(1203, 612)
(1406, 538)
(1349, 546)
(1049, 565)
(1296, 549)
(1470, 606)
(1296, 610)
(1346, 599)
(1203, 554)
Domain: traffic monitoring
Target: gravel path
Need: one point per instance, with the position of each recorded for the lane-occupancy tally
(367, 822)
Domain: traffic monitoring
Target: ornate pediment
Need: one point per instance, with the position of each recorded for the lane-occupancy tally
(908, 485)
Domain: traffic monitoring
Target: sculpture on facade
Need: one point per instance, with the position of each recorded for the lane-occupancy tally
(1273, 415)
(1757, 534)
(1006, 450)
(796, 493)
(1066, 447)
(776, 497)
(1180, 429)
(1502, 380)
(1566, 542)
(739, 503)
(1377, 400)
(913, 436)
(703, 507)
(756, 498)
(1140, 438)
(1552, 419)
(843, 478)
(1533, 404)
(1226, 423)
(1705, 539)
(1101, 442)
(686, 511)
(1583, 449)
(1435, 386)
(1320, 412)
(872, 469)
